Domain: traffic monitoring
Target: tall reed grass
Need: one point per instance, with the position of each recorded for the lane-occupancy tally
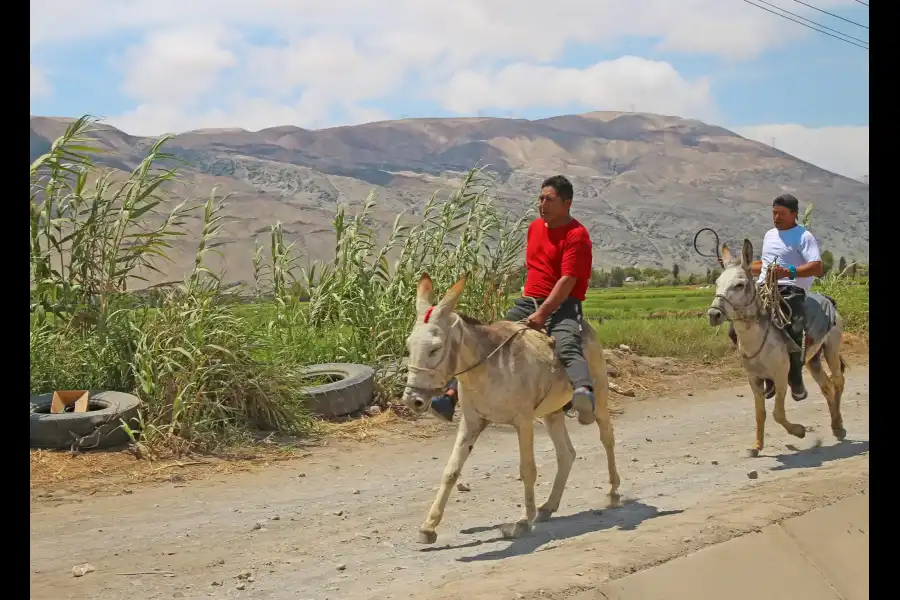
(207, 370)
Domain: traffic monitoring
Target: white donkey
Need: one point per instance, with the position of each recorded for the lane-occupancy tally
(764, 347)
(507, 374)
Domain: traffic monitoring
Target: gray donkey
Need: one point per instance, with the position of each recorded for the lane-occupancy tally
(507, 374)
(764, 346)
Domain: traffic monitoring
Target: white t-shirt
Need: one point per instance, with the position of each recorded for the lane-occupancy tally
(792, 247)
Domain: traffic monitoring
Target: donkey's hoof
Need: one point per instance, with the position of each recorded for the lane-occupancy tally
(516, 530)
(839, 432)
(798, 431)
(753, 452)
(426, 537)
(543, 514)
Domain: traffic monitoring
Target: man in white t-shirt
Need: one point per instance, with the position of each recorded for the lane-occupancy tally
(792, 250)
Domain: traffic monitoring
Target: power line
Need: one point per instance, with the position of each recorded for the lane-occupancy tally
(812, 22)
(866, 48)
(831, 14)
(863, 3)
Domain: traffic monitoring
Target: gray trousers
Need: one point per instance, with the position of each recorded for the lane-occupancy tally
(565, 326)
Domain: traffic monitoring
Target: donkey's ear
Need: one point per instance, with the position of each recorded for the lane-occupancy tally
(726, 255)
(746, 254)
(424, 294)
(448, 302)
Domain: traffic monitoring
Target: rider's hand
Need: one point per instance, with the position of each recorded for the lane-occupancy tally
(782, 273)
(536, 321)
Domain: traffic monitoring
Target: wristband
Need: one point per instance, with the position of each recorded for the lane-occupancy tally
(793, 271)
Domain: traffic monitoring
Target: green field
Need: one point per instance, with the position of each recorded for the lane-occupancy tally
(642, 302)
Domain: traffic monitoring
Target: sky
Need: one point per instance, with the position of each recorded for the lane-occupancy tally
(150, 68)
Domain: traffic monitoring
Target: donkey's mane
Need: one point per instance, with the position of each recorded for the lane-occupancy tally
(469, 320)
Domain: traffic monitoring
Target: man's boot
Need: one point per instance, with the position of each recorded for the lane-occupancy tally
(795, 376)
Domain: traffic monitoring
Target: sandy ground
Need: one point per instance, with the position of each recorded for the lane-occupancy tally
(341, 523)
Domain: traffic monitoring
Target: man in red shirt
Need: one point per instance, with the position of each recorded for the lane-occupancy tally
(558, 260)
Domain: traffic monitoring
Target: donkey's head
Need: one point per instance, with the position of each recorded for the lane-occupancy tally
(432, 345)
(735, 291)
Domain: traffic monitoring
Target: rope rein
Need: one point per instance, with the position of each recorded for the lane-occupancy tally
(509, 338)
(768, 294)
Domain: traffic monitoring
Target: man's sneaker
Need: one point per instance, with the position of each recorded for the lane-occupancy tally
(444, 406)
(583, 401)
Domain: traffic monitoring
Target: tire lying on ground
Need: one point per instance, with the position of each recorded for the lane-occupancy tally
(99, 427)
(352, 391)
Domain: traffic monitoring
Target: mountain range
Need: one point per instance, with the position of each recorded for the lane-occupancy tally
(644, 183)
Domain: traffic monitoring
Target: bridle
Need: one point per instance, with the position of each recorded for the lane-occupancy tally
(738, 310)
(457, 320)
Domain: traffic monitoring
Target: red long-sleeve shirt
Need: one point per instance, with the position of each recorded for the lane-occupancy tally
(552, 253)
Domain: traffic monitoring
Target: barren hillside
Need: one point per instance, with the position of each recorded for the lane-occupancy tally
(644, 183)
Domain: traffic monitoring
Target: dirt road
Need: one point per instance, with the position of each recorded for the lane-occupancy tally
(341, 524)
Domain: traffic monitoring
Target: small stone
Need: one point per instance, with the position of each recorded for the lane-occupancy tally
(276, 518)
(243, 575)
(342, 567)
(338, 513)
(82, 570)
(714, 462)
(647, 440)
(634, 460)
(216, 583)
(690, 393)
(241, 585)
(301, 474)
(178, 595)
(740, 395)
(462, 487)
(356, 492)
(752, 474)
(373, 410)
(256, 527)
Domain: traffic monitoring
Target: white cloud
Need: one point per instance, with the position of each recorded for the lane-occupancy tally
(622, 84)
(840, 149)
(40, 86)
(315, 63)
(515, 29)
(175, 66)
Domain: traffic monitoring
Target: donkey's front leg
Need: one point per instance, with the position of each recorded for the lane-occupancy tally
(795, 429)
(759, 401)
(528, 472)
(470, 427)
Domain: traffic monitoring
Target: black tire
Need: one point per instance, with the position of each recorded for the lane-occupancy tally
(351, 394)
(100, 427)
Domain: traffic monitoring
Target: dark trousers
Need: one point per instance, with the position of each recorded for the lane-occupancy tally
(564, 326)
